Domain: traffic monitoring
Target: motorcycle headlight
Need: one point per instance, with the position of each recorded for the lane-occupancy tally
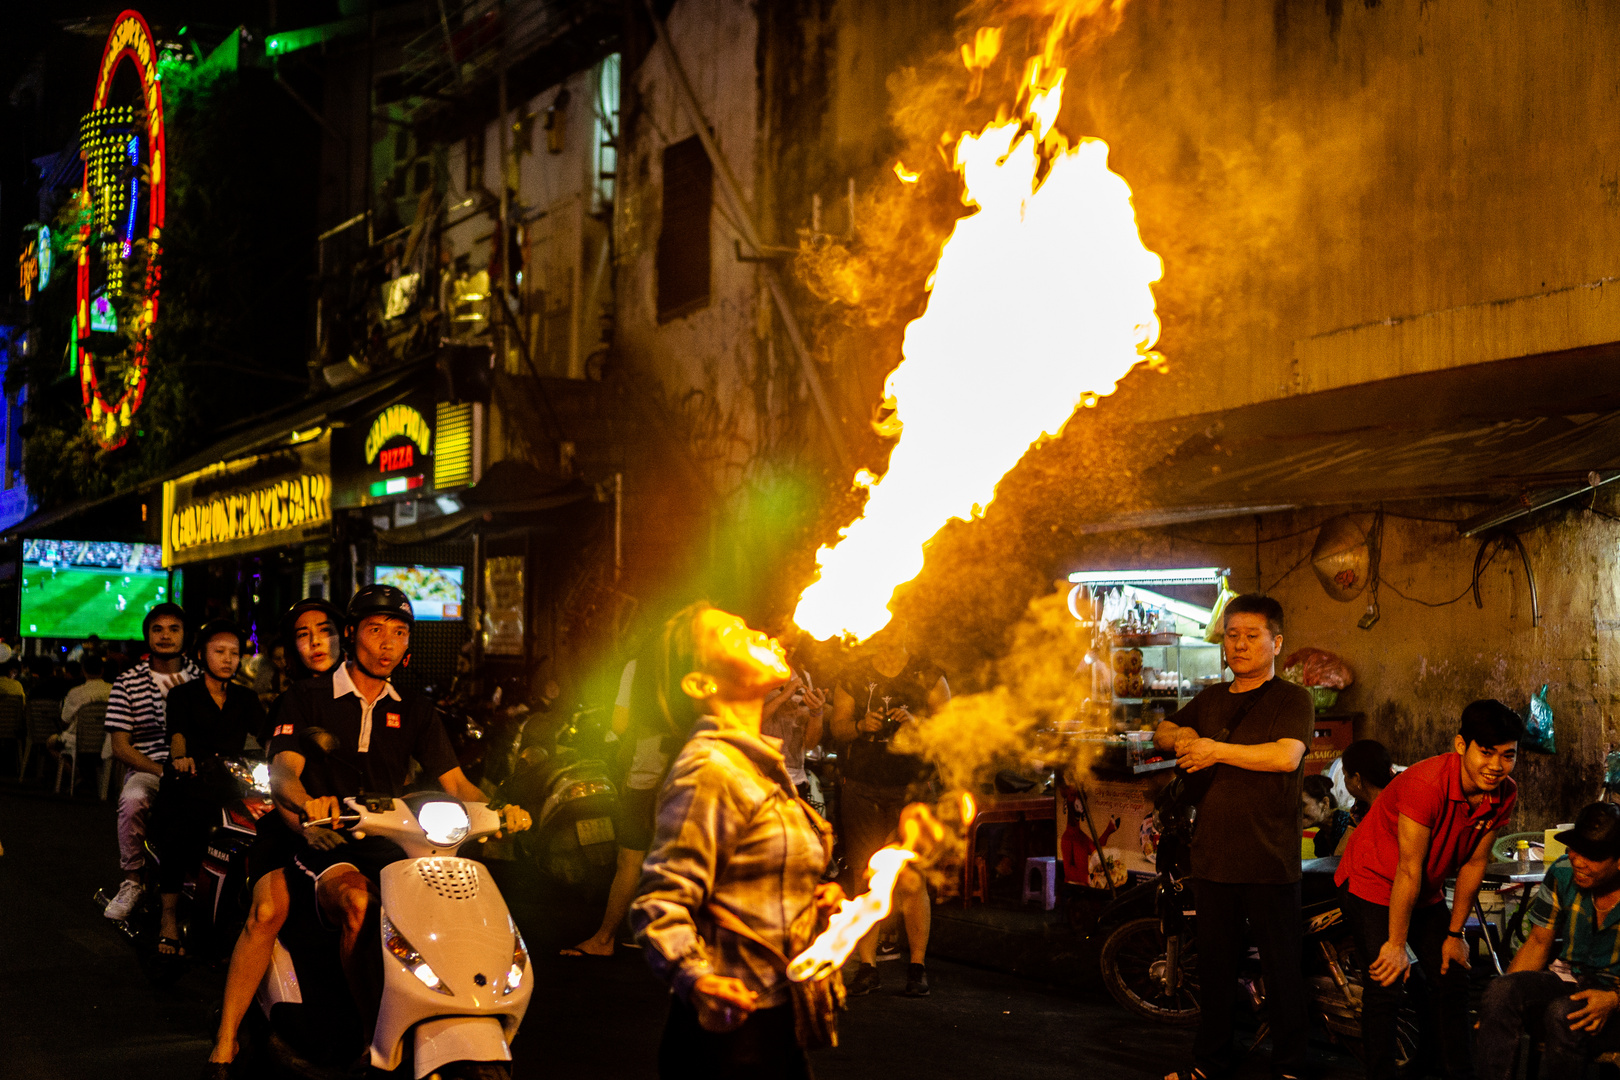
(406, 954)
(520, 963)
(445, 823)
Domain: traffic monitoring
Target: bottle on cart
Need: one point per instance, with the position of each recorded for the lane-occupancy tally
(1522, 854)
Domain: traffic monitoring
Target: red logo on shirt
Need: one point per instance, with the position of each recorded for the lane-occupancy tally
(284, 729)
(393, 719)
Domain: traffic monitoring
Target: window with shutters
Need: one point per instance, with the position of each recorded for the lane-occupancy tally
(683, 235)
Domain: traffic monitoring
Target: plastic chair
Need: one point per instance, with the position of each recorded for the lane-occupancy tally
(88, 733)
(12, 727)
(43, 719)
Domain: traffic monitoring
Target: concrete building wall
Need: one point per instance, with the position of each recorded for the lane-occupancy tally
(715, 350)
(1351, 192)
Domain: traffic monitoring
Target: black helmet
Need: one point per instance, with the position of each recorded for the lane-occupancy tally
(157, 612)
(380, 600)
(212, 629)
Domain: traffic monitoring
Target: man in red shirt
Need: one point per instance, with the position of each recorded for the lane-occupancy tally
(1436, 819)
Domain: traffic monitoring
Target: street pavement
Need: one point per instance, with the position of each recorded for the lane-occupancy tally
(74, 1003)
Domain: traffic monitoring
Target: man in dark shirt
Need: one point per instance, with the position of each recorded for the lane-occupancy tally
(1253, 733)
(368, 732)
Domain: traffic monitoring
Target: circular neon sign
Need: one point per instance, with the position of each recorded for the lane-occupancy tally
(124, 174)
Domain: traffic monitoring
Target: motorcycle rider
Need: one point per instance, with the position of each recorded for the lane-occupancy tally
(209, 720)
(312, 626)
(137, 726)
(370, 731)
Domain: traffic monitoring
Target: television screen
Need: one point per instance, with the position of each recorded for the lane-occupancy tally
(435, 591)
(74, 588)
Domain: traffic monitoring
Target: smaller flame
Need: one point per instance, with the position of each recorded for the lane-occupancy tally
(853, 919)
(906, 175)
(986, 46)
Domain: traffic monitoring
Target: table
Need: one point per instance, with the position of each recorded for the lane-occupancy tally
(1000, 809)
(1508, 873)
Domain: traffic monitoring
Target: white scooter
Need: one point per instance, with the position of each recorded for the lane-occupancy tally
(455, 970)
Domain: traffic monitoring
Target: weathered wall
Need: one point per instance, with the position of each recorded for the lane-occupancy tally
(1347, 192)
(1418, 666)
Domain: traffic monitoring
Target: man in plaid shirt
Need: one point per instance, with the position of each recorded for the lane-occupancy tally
(1564, 983)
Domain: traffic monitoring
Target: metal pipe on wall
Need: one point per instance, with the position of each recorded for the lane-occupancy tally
(745, 220)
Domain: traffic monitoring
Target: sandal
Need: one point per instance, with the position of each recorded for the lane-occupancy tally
(170, 948)
(581, 954)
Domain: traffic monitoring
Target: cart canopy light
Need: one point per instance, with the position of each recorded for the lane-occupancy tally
(1200, 575)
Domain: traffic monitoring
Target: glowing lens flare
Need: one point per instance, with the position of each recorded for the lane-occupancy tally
(853, 918)
(1040, 302)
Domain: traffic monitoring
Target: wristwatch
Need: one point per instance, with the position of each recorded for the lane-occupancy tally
(1457, 934)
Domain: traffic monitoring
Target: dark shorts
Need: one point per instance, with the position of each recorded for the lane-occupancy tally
(871, 818)
(637, 818)
(273, 847)
(368, 856)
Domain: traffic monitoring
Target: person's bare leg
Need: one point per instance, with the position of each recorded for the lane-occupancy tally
(250, 959)
(169, 924)
(866, 948)
(917, 912)
(623, 890)
(349, 901)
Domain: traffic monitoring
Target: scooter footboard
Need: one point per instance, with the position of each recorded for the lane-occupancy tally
(459, 1038)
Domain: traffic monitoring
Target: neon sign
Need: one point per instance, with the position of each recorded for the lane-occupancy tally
(396, 422)
(113, 138)
(28, 271)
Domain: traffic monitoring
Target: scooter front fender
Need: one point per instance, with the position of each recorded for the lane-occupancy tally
(450, 912)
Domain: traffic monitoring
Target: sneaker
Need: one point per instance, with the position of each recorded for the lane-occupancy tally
(865, 981)
(119, 907)
(888, 949)
(916, 980)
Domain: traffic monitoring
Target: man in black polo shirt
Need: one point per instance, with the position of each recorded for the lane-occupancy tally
(1251, 734)
(369, 733)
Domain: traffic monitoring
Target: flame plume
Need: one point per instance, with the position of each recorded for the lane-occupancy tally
(921, 836)
(1040, 302)
(853, 918)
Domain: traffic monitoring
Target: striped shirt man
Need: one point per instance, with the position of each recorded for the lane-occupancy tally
(1589, 950)
(137, 704)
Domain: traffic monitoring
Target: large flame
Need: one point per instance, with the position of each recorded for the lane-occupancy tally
(854, 918)
(921, 834)
(1040, 302)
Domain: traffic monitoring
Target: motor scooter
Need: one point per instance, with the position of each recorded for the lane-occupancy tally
(456, 974)
(213, 903)
(562, 770)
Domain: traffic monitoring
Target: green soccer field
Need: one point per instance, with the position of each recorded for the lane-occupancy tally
(75, 602)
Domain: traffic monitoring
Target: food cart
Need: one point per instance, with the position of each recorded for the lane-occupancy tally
(1151, 654)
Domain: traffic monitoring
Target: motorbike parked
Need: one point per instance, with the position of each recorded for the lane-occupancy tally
(483, 728)
(562, 774)
(1150, 961)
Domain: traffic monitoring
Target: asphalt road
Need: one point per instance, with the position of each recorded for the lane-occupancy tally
(74, 1004)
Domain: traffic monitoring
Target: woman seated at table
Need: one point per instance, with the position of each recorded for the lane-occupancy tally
(1320, 811)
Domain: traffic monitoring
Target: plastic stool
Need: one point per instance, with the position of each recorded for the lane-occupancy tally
(1040, 880)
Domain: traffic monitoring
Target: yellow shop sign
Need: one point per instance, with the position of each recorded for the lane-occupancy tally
(251, 504)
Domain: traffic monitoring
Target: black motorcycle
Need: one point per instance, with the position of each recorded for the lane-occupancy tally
(563, 778)
(1150, 961)
(213, 903)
